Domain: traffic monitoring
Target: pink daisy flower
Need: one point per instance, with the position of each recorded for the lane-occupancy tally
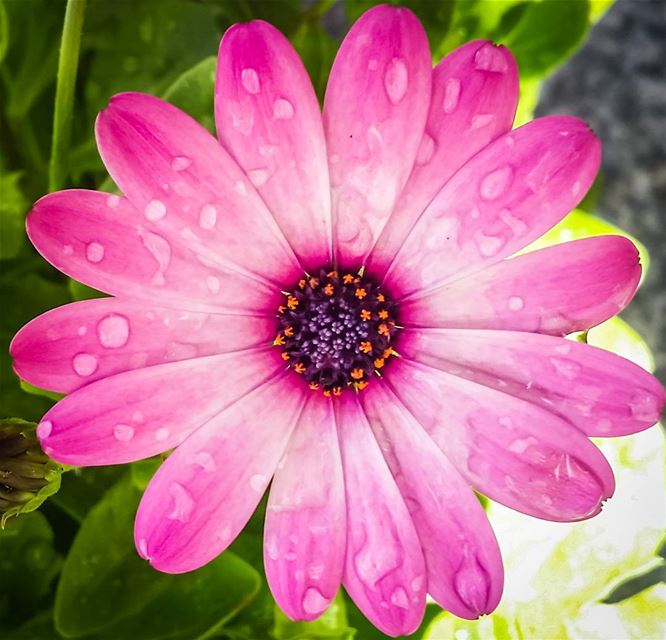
(331, 302)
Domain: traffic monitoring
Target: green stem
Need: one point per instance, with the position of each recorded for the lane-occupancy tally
(64, 99)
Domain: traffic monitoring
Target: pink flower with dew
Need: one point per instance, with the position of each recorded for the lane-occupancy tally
(264, 283)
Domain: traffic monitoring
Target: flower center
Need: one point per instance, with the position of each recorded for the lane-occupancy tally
(336, 329)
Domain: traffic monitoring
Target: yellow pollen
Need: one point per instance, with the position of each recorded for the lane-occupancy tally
(365, 314)
(383, 314)
(292, 302)
(299, 368)
(383, 329)
(314, 282)
(337, 391)
(362, 384)
(282, 308)
(366, 347)
(302, 283)
(327, 393)
(332, 274)
(314, 386)
(348, 278)
(380, 297)
(289, 331)
(387, 352)
(360, 293)
(279, 340)
(285, 355)
(379, 363)
(329, 289)
(357, 374)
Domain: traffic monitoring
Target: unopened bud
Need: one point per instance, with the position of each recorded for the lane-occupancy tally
(27, 475)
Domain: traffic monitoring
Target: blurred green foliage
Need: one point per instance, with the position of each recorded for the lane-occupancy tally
(71, 570)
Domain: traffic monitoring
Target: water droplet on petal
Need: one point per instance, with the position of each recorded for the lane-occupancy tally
(204, 460)
(242, 120)
(516, 303)
(44, 429)
(417, 583)
(183, 504)
(250, 81)
(396, 79)
(82, 331)
(84, 364)
(113, 331)
(207, 216)
(488, 245)
(566, 368)
(95, 252)
(451, 95)
(316, 571)
(161, 434)
(645, 406)
(180, 163)
(399, 598)
(241, 188)
(495, 183)
(213, 284)
(258, 177)
(282, 109)
(160, 249)
(314, 602)
(258, 482)
(155, 210)
(481, 120)
(426, 149)
(113, 201)
(123, 432)
(490, 58)
(515, 224)
(471, 586)
(564, 348)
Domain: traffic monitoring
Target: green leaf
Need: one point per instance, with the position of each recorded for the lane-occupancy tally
(28, 564)
(547, 32)
(4, 31)
(13, 207)
(107, 589)
(38, 628)
(81, 291)
(331, 625)
(194, 92)
(317, 50)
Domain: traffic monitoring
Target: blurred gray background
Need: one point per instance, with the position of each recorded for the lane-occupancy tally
(617, 83)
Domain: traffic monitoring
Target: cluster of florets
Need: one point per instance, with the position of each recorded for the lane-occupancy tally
(335, 329)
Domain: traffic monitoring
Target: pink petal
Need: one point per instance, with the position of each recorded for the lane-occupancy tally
(384, 568)
(374, 113)
(557, 290)
(464, 565)
(180, 177)
(305, 533)
(117, 335)
(599, 392)
(269, 119)
(511, 450)
(505, 197)
(137, 414)
(205, 492)
(103, 241)
(474, 98)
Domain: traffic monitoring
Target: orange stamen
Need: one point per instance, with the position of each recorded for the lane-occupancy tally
(357, 374)
(366, 347)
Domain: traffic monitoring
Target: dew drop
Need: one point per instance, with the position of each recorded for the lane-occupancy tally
(204, 460)
(113, 201)
(207, 216)
(471, 586)
(316, 571)
(155, 210)
(399, 598)
(258, 482)
(82, 331)
(417, 583)
(258, 177)
(240, 188)
(180, 163)
(515, 224)
(44, 429)
(426, 150)
(451, 95)
(489, 245)
(113, 331)
(490, 58)
(283, 109)
(84, 364)
(564, 348)
(496, 183)
(481, 120)
(242, 120)
(314, 602)
(161, 434)
(123, 432)
(516, 303)
(250, 81)
(95, 252)
(645, 406)
(395, 80)
(183, 504)
(566, 368)
(213, 284)
(160, 249)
